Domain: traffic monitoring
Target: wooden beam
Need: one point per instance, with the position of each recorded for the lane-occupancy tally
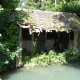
(75, 39)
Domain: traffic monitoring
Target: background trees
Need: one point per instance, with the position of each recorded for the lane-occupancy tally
(54, 5)
(9, 4)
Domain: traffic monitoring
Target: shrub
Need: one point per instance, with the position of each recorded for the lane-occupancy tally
(9, 5)
(7, 57)
(72, 54)
(46, 58)
(9, 29)
(52, 57)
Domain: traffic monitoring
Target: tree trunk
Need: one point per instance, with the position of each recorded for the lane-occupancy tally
(55, 3)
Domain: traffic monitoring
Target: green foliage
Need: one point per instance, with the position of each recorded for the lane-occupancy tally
(8, 42)
(47, 4)
(9, 5)
(8, 26)
(52, 57)
(9, 29)
(45, 59)
(7, 56)
(73, 7)
(71, 54)
(39, 4)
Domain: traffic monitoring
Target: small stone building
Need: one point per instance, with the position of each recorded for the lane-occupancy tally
(49, 28)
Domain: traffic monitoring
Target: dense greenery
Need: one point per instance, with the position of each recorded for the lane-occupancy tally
(51, 57)
(45, 4)
(9, 32)
(9, 5)
(61, 5)
(7, 41)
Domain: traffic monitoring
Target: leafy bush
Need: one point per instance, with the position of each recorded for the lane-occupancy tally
(7, 57)
(9, 29)
(9, 41)
(52, 57)
(45, 59)
(9, 5)
(72, 54)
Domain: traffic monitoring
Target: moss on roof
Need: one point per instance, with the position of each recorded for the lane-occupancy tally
(61, 21)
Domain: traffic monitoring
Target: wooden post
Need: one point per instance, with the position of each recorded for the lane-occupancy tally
(75, 39)
(19, 58)
(32, 42)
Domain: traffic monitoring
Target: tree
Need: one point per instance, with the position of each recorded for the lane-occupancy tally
(9, 5)
(9, 20)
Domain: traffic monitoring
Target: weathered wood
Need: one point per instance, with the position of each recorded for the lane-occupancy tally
(75, 39)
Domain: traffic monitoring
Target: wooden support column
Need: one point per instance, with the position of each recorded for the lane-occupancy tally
(68, 45)
(32, 40)
(19, 58)
(75, 39)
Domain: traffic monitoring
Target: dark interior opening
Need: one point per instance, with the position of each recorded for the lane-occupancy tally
(52, 35)
(25, 34)
(72, 35)
(64, 37)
